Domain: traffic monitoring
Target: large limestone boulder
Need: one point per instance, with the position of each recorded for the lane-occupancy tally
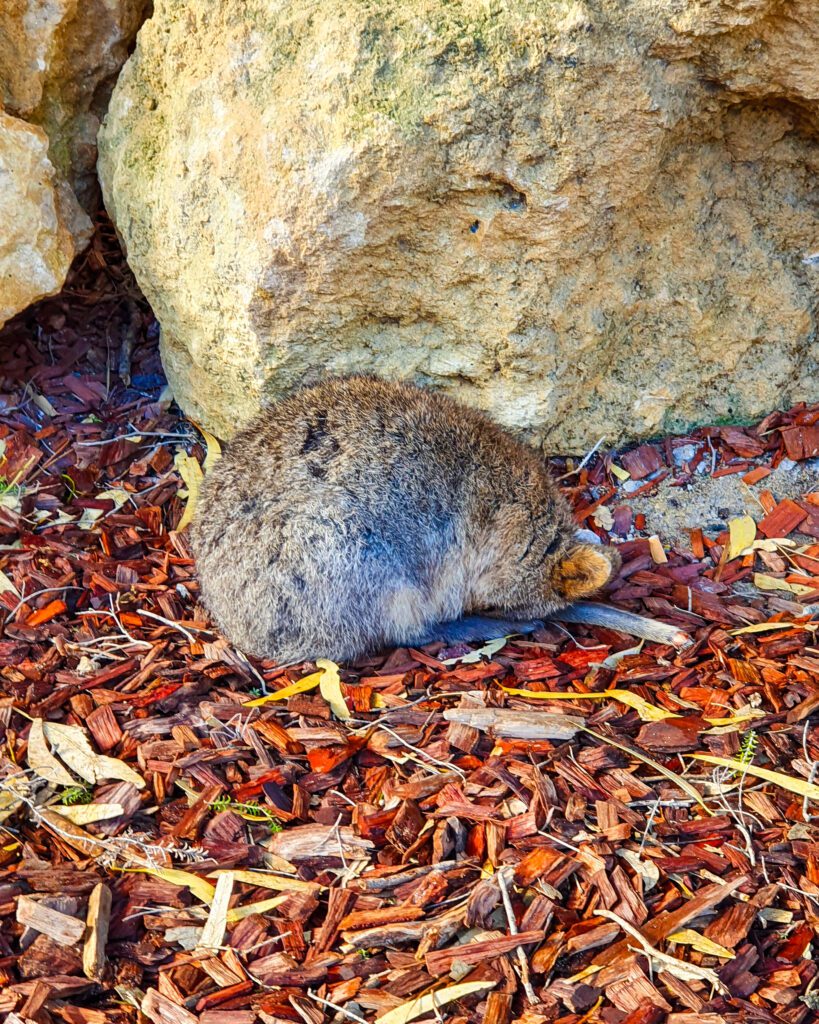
(40, 221)
(586, 218)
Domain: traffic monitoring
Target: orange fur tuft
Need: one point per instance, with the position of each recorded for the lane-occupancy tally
(585, 570)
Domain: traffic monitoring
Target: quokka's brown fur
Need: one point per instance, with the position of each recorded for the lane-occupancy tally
(360, 513)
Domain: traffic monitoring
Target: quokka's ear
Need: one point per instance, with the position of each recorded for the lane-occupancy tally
(583, 571)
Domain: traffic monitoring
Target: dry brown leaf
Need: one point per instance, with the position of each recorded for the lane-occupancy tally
(87, 814)
(645, 868)
(267, 880)
(13, 790)
(72, 745)
(762, 581)
(7, 587)
(42, 761)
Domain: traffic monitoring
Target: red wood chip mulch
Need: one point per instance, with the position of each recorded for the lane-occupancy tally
(571, 828)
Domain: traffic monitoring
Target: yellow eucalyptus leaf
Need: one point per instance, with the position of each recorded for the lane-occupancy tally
(201, 889)
(302, 686)
(647, 712)
(330, 688)
(191, 472)
(688, 937)
(742, 532)
(419, 1006)
(793, 785)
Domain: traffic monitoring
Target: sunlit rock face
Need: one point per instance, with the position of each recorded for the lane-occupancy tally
(58, 63)
(585, 218)
(41, 224)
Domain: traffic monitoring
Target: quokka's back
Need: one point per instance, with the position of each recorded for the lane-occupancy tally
(360, 512)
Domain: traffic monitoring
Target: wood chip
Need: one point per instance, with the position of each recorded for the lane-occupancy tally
(61, 928)
(98, 920)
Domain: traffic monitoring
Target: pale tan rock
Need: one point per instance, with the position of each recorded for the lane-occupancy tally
(41, 225)
(586, 218)
(58, 63)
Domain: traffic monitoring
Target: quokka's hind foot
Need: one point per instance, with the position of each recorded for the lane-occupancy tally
(476, 627)
(485, 627)
(591, 613)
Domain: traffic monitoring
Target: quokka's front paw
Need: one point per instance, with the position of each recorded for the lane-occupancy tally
(586, 569)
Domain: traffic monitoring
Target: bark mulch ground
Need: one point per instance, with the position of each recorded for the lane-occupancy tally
(566, 828)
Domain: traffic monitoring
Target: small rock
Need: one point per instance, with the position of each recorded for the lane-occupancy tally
(603, 518)
(685, 453)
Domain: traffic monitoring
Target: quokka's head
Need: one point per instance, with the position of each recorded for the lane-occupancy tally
(539, 565)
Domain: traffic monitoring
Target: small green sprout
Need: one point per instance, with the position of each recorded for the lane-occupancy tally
(77, 795)
(251, 810)
(747, 749)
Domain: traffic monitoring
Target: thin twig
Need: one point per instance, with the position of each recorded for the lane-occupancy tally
(334, 1006)
(174, 625)
(649, 823)
(513, 930)
(135, 433)
(583, 461)
(37, 593)
(814, 767)
(112, 614)
(665, 962)
(416, 750)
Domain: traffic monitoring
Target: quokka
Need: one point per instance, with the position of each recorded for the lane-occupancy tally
(361, 513)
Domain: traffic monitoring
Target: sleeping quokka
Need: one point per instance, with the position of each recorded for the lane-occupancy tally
(361, 513)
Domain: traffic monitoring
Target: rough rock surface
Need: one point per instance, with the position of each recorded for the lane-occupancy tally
(58, 64)
(586, 218)
(40, 221)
